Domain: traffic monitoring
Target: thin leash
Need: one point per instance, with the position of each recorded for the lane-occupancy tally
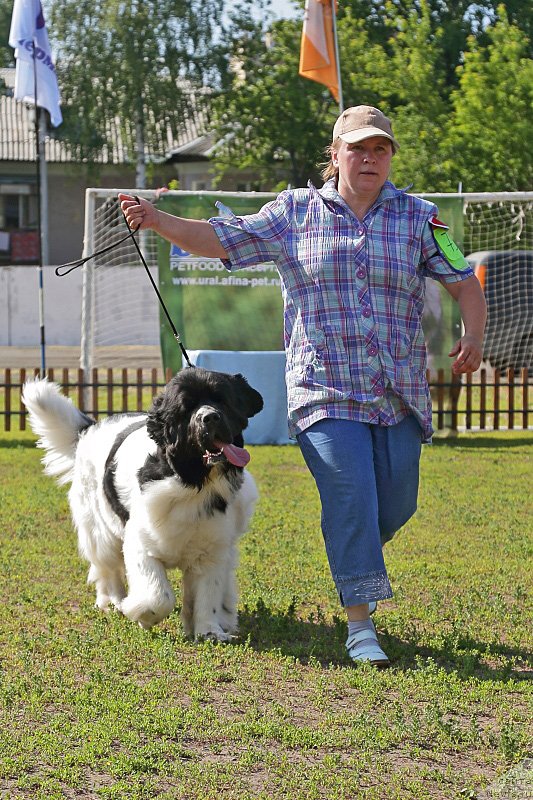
(72, 265)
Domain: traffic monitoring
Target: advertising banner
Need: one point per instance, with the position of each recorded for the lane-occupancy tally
(212, 308)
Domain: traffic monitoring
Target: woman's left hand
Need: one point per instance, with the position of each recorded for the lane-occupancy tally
(469, 354)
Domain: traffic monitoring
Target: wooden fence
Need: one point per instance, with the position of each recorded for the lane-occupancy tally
(487, 400)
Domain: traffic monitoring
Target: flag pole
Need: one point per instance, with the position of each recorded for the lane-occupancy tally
(39, 216)
(29, 39)
(335, 39)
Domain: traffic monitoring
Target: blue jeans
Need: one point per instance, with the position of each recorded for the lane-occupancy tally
(367, 478)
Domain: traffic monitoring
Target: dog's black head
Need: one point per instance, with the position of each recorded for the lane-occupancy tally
(198, 421)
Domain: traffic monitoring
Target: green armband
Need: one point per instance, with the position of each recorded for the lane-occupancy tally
(447, 246)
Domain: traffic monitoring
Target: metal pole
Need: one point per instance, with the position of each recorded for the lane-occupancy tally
(39, 219)
(87, 309)
(334, 17)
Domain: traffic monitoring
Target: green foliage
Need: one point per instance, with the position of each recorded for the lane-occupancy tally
(6, 53)
(490, 135)
(92, 706)
(129, 65)
(432, 66)
(364, 63)
(416, 98)
(270, 120)
(457, 19)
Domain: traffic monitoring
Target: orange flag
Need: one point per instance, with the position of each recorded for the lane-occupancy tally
(318, 61)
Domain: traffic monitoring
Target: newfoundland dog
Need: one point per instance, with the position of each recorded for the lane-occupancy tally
(155, 491)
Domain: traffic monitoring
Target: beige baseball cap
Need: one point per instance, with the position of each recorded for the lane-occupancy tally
(362, 122)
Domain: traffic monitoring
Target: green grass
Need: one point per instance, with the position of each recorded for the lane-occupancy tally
(94, 707)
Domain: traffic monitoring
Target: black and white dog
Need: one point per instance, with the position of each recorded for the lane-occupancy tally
(156, 491)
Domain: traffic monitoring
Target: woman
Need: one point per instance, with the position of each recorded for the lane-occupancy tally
(353, 258)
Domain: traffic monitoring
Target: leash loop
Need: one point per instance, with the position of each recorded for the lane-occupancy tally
(80, 262)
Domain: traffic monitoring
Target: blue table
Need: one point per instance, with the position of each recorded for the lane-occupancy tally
(265, 371)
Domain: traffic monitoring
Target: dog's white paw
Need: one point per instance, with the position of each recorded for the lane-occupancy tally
(213, 633)
(103, 603)
(229, 620)
(143, 613)
(108, 604)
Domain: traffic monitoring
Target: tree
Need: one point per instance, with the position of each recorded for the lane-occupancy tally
(456, 20)
(270, 120)
(518, 12)
(413, 86)
(403, 75)
(363, 59)
(489, 137)
(395, 57)
(129, 69)
(6, 53)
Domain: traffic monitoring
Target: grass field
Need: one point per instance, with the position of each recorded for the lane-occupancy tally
(94, 707)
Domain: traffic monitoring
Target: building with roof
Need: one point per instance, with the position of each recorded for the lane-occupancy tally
(192, 161)
(187, 160)
(67, 179)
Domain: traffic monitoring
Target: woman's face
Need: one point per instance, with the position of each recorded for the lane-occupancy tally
(364, 166)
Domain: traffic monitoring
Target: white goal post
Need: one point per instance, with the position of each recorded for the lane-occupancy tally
(110, 315)
(119, 306)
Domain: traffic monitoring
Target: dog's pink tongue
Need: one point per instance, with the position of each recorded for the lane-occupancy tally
(235, 455)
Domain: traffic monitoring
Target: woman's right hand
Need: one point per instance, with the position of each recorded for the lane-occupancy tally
(139, 213)
(192, 235)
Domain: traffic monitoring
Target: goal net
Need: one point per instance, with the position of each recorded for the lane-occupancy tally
(120, 308)
(499, 245)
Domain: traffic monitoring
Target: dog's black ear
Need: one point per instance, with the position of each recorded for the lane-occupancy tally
(155, 424)
(250, 398)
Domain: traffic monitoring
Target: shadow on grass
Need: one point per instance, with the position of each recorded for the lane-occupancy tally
(317, 640)
(13, 444)
(475, 441)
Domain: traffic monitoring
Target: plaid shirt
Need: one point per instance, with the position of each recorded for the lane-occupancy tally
(353, 295)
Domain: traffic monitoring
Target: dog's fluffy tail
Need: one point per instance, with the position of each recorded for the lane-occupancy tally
(57, 422)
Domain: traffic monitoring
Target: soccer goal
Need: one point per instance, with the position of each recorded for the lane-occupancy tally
(119, 306)
(498, 241)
